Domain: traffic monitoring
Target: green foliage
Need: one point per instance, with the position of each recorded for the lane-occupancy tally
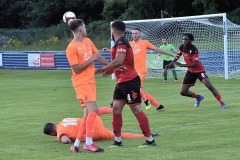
(56, 37)
(234, 16)
(13, 42)
(50, 41)
(186, 133)
(99, 33)
(113, 9)
(141, 9)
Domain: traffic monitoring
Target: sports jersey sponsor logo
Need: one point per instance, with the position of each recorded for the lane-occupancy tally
(136, 51)
(87, 55)
(121, 50)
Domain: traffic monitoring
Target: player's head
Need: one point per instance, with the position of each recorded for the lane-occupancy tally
(187, 38)
(78, 26)
(164, 41)
(50, 129)
(136, 33)
(118, 28)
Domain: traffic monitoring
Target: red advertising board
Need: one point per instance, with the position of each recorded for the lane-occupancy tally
(47, 60)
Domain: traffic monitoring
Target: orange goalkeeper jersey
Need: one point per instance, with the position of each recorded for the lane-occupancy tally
(140, 54)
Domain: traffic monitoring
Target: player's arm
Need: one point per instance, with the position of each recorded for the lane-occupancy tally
(174, 61)
(80, 67)
(159, 50)
(65, 139)
(189, 65)
(103, 60)
(107, 70)
(119, 59)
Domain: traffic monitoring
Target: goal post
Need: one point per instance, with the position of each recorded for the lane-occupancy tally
(217, 39)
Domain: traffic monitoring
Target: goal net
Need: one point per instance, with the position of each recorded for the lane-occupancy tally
(217, 39)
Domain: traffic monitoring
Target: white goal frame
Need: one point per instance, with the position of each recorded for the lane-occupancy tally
(226, 26)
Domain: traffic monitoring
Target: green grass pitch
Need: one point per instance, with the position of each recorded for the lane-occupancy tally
(30, 98)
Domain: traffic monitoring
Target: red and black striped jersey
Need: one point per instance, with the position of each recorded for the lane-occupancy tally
(122, 46)
(190, 55)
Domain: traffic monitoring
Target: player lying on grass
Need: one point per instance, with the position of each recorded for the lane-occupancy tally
(67, 130)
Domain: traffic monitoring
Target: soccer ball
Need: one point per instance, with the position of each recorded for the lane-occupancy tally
(68, 16)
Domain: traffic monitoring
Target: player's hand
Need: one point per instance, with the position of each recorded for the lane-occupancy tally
(121, 69)
(178, 64)
(106, 73)
(98, 71)
(96, 56)
(105, 50)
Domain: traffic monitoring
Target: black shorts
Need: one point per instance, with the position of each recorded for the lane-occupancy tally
(190, 78)
(130, 91)
(166, 63)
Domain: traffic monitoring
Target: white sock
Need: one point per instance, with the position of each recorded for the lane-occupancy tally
(118, 139)
(150, 139)
(77, 143)
(89, 141)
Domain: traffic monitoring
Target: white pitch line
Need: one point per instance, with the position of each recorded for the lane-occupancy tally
(126, 129)
(21, 123)
(190, 124)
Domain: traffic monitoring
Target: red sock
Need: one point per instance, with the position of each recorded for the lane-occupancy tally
(117, 124)
(90, 124)
(143, 123)
(219, 98)
(194, 95)
(104, 110)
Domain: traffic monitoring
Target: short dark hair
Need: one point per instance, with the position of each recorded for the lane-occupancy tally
(189, 35)
(74, 24)
(48, 128)
(119, 25)
(137, 28)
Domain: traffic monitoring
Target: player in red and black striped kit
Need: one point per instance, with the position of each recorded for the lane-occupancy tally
(127, 90)
(195, 71)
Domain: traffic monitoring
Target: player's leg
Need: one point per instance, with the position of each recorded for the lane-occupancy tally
(104, 110)
(190, 80)
(214, 91)
(82, 129)
(117, 121)
(165, 71)
(119, 102)
(134, 101)
(174, 74)
(92, 114)
(153, 101)
(142, 75)
(143, 124)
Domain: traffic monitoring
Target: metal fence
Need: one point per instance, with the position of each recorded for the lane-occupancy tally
(53, 60)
